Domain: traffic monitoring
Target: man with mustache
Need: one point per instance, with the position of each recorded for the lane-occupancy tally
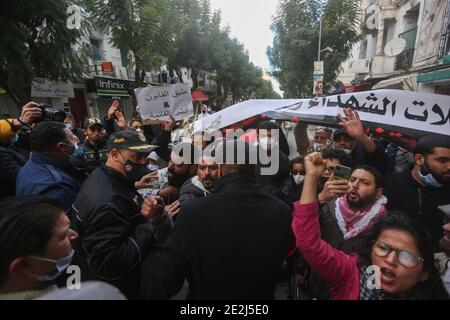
(178, 172)
(203, 183)
(423, 190)
(344, 222)
(94, 150)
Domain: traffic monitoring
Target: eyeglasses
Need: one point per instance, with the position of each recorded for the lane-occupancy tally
(405, 258)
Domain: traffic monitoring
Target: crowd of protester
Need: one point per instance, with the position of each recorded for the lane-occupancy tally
(141, 220)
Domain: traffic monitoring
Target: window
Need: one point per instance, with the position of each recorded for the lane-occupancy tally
(363, 50)
(96, 49)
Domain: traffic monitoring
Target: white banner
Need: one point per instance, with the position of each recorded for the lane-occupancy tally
(43, 88)
(157, 103)
(410, 113)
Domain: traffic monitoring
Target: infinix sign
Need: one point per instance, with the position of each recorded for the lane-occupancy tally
(108, 86)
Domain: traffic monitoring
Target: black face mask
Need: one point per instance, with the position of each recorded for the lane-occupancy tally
(134, 171)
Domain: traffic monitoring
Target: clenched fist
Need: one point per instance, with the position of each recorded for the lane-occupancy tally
(152, 208)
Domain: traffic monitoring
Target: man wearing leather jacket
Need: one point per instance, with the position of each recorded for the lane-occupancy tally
(116, 227)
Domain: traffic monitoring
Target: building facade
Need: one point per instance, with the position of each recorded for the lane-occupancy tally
(404, 45)
(109, 78)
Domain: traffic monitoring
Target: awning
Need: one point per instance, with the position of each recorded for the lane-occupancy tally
(408, 83)
(199, 96)
(446, 59)
(434, 76)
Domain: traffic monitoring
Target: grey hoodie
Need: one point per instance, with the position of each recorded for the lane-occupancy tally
(192, 189)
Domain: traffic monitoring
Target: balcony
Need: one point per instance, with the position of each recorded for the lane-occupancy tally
(404, 60)
(386, 9)
(371, 9)
(444, 45)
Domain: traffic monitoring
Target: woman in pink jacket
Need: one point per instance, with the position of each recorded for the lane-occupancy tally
(397, 262)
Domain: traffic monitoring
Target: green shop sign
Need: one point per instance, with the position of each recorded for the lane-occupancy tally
(111, 87)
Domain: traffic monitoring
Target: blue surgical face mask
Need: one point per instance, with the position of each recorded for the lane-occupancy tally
(75, 150)
(427, 177)
(61, 266)
(153, 167)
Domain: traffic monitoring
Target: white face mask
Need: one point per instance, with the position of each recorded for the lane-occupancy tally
(298, 179)
(153, 167)
(347, 151)
(75, 149)
(61, 266)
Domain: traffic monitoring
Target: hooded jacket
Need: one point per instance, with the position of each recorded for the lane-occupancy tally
(192, 189)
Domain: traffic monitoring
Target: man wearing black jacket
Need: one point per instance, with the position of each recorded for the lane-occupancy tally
(423, 190)
(230, 245)
(116, 227)
(93, 152)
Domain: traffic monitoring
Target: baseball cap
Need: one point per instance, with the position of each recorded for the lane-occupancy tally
(130, 140)
(94, 122)
(340, 132)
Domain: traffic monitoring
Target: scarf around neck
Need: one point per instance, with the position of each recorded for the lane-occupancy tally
(353, 223)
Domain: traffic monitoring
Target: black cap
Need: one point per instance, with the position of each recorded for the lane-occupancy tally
(130, 140)
(340, 132)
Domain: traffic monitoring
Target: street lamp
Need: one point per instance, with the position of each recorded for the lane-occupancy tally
(320, 37)
(318, 66)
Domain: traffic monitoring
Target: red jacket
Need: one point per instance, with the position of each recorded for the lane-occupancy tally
(338, 268)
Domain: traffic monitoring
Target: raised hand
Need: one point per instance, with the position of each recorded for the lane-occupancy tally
(121, 121)
(315, 165)
(352, 123)
(113, 109)
(30, 112)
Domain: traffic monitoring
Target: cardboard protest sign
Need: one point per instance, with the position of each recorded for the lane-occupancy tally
(158, 103)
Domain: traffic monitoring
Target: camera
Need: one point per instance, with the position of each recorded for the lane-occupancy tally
(52, 114)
